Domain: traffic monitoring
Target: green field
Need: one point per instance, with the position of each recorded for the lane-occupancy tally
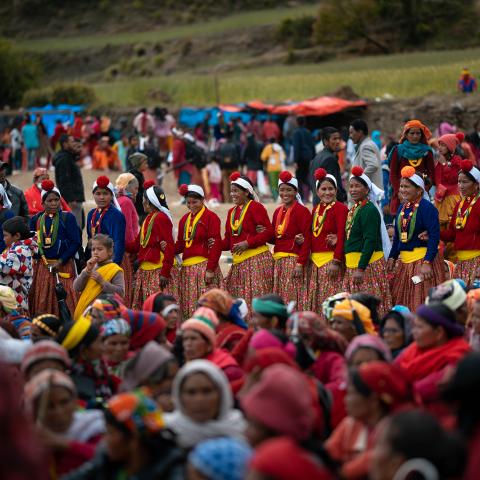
(401, 75)
(240, 20)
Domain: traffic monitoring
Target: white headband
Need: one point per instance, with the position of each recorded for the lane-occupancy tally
(475, 173)
(246, 186)
(44, 193)
(112, 190)
(293, 182)
(418, 181)
(328, 175)
(168, 309)
(6, 201)
(153, 199)
(196, 189)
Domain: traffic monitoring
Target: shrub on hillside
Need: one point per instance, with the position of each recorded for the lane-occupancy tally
(67, 93)
(296, 32)
(18, 73)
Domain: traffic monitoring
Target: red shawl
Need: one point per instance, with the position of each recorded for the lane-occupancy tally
(417, 363)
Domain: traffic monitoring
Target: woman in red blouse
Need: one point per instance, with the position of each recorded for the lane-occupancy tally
(464, 228)
(251, 274)
(200, 243)
(327, 241)
(290, 219)
(446, 177)
(156, 271)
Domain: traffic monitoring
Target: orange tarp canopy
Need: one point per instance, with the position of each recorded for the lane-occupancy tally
(318, 107)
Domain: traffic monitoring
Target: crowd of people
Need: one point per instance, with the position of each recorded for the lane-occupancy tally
(343, 342)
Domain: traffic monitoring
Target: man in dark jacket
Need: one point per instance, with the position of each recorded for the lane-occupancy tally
(229, 156)
(328, 160)
(303, 153)
(68, 176)
(16, 196)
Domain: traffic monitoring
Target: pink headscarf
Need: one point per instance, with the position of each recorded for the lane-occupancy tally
(266, 339)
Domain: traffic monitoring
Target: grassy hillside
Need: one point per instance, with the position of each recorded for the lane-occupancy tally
(401, 75)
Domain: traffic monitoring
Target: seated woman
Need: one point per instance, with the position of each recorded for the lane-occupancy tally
(42, 355)
(350, 318)
(374, 390)
(137, 444)
(145, 327)
(199, 340)
(166, 306)
(438, 345)
(281, 420)
(396, 329)
(367, 348)
(153, 368)
(45, 327)
(116, 341)
(203, 405)
(89, 372)
(69, 435)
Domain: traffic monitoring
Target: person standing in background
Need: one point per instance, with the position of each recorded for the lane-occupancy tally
(68, 176)
(303, 153)
(31, 141)
(367, 154)
(466, 83)
(274, 158)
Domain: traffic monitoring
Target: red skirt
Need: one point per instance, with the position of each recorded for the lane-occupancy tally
(127, 266)
(147, 282)
(465, 269)
(405, 292)
(374, 282)
(192, 282)
(321, 286)
(251, 278)
(289, 288)
(42, 298)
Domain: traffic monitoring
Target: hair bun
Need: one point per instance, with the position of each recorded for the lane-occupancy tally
(47, 185)
(103, 181)
(357, 171)
(148, 184)
(407, 172)
(460, 137)
(183, 189)
(321, 173)
(285, 176)
(466, 165)
(235, 176)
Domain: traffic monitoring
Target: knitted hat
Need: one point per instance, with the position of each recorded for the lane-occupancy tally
(49, 324)
(346, 308)
(218, 300)
(450, 293)
(221, 458)
(205, 322)
(116, 326)
(45, 350)
(369, 341)
(452, 140)
(137, 412)
(275, 402)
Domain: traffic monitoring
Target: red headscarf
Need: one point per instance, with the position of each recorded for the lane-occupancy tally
(146, 326)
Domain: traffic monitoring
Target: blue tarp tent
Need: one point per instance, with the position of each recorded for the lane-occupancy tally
(189, 117)
(50, 119)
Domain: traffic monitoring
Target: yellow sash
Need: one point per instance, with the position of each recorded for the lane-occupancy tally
(321, 258)
(193, 261)
(93, 289)
(251, 252)
(353, 258)
(464, 255)
(279, 255)
(60, 274)
(413, 256)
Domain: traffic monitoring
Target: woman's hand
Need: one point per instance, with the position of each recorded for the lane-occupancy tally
(209, 277)
(97, 277)
(298, 272)
(90, 265)
(333, 269)
(332, 239)
(358, 276)
(299, 239)
(423, 236)
(260, 228)
(240, 247)
(163, 245)
(210, 242)
(390, 265)
(426, 271)
(163, 282)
